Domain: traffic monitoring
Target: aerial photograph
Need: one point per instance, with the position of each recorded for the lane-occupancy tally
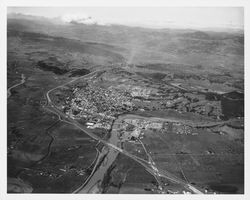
(125, 100)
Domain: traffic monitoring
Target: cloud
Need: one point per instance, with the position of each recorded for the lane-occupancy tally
(80, 19)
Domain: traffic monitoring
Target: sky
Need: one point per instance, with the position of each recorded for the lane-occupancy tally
(154, 17)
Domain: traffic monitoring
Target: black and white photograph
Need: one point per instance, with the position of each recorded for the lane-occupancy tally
(125, 100)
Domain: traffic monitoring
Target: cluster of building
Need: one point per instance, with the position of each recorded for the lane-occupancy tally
(195, 103)
(98, 106)
(135, 128)
(179, 128)
(99, 124)
(136, 90)
(144, 124)
(171, 98)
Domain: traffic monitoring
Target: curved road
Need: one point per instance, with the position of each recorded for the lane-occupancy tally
(9, 89)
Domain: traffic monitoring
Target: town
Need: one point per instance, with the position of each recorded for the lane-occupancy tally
(98, 101)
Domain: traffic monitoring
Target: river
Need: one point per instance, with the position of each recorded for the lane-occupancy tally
(104, 162)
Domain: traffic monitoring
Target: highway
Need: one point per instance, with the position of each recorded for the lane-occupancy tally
(146, 164)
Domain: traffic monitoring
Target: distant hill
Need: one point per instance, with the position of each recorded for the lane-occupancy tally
(197, 35)
(144, 45)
